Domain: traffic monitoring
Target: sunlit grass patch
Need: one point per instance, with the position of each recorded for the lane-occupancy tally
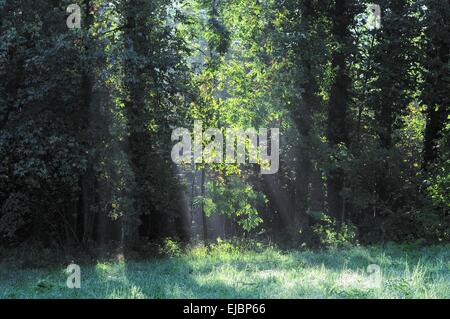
(228, 272)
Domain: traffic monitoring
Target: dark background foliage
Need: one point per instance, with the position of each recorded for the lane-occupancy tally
(86, 117)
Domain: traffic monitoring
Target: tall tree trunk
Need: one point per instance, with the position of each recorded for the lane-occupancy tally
(317, 192)
(85, 219)
(139, 139)
(204, 217)
(437, 86)
(304, 166)
(281, 202)
(338, 103)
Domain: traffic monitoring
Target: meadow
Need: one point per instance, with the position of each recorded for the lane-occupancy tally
(225, 271)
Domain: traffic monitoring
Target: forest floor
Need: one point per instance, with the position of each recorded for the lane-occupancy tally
(397, 271)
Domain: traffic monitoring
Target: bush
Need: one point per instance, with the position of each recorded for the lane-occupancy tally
(170, 248)
(332, 234)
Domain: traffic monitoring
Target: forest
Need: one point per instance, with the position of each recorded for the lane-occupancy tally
(232, 140)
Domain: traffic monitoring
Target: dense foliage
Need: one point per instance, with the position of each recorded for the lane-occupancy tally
(86, 117)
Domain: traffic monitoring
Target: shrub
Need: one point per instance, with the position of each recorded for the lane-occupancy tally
(332, 234)
(170, 248)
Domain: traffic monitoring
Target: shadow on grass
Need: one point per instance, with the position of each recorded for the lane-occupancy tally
(266, 274)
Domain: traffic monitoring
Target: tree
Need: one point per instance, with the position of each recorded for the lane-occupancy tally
(436, 69)
(341, 16)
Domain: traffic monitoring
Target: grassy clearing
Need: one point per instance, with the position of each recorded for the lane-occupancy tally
(227, 272)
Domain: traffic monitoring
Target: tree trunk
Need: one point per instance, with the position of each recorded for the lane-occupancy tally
(338, 103)
(87, 180)
(204, 217)
(437, 94)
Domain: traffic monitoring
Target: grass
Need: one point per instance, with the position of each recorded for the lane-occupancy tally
(228, 272)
